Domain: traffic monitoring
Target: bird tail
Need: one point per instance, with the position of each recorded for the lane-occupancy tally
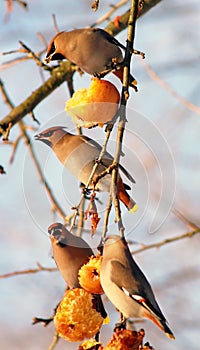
(132, 82)
(162, 324)
(125, 198)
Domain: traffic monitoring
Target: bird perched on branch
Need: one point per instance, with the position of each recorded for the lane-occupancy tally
(126, 286)
(78, 154)
(93, 50)
(70, 253)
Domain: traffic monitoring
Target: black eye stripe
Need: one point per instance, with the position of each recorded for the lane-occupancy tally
(48, 134)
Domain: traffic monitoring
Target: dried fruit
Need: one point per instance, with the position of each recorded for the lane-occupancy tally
(76, 317)
(90, 344)
(125, 339)
(89, 275)
(96, 105)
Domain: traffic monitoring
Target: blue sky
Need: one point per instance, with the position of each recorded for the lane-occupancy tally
(169, 35)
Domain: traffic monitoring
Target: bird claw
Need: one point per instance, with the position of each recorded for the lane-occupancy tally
(120, 325)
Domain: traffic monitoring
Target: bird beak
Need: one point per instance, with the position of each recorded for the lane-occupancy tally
(37, 137)
(41, 138)
(47, 59)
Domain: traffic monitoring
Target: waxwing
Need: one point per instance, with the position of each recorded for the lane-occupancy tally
(92, 49)
(70, 252)
(126, 286)
(78, 154)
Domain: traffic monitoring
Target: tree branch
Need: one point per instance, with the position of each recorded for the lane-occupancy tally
(122, 115)
(39, 268)
(166, 241)
(123, 19)
(59, 75)
(26, 137)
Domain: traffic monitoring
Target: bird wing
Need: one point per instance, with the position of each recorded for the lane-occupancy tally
(106, 161)
(131, 287)
(107, 158)
(123, 278)
(110, 38)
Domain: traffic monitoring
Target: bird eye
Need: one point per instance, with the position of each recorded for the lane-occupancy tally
(48, 134)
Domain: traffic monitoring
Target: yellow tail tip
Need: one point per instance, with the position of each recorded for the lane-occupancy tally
(134, 209)
(134, 82)
(170, 335)
(106, 320)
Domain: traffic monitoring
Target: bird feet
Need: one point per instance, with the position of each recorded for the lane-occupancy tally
(120, 325)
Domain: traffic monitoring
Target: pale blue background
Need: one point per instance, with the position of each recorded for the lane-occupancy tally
(169, 35)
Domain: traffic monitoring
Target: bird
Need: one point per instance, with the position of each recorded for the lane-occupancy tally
(78, 154)
(70, 252)
(93, 50)
(126, 286)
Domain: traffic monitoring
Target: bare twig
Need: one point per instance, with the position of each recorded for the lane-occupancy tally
(156, 245)
(39, 268)
(106, 216)
(189, 223)
(55, 23)
(14, 148)
(27, 139)
(103, 150)
(60, 74)
(56, 205)
(15, 61)
(107, 16)
(34, 56)
(122, 114)
(167, 87)
(45, 321)
(54, 341)
(123, 20)
(43, 41)
(166, 241)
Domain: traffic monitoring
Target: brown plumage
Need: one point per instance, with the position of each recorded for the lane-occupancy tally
(78, 154)
(92, 49)
(126, 286)
(70, 253)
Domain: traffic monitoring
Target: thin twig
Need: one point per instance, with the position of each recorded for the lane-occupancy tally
(156, 245)
(107, 16)
(167, 87)
(96, 164)
(39, 268)
(122, 114)
(54, 341)
(106, 216)
(27, 139)
(166, 241)
(64, 72)
(34, 56)
(55, 23)
(189, 223)
(59, 75)
(14, 148)
(43, 41)
(15, 61)
(124, 18)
